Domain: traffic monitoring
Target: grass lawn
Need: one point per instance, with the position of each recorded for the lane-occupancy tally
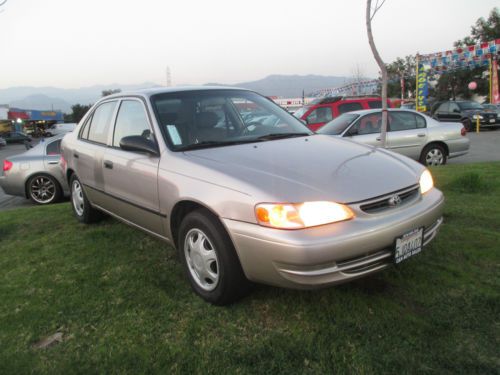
(120, 300)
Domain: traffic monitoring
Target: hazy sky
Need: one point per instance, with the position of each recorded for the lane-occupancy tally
(74, 43)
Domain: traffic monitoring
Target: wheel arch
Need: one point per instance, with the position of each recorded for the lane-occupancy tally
(179, 212)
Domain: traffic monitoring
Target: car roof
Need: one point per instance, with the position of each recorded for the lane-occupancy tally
(164, 90)
(376, 110)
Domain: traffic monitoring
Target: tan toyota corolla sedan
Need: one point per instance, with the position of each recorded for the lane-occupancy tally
(245, 191)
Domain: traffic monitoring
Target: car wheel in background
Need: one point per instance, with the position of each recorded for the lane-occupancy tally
(210, 260)
(433, 154)
(43, 189)
(82, 208)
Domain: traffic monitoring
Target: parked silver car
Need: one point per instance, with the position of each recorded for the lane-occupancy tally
(36, 173)
(3, 142)
(410, 133)
(242, 200)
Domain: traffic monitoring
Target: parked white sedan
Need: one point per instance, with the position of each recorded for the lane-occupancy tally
(408, 132)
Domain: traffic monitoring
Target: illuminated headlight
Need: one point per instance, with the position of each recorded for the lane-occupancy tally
(301, 215)
(426, 182)
(475, 117)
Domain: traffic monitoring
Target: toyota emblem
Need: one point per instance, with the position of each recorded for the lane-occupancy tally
(395, 200)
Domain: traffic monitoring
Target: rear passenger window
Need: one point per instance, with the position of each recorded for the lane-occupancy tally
(101, 120)
(375, 104)
(402, 121)
(54, 148)
(420, 122)
(131, 120)
(349, 107)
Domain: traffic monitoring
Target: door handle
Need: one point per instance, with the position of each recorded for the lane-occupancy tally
(421, 135)
(378, 139)
(53, 162)
(75, 156)
(108, 164)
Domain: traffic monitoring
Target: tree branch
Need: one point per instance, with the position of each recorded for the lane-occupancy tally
(376, 8)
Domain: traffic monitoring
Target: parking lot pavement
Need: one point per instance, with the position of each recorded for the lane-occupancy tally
(484, 146)
(9, 201)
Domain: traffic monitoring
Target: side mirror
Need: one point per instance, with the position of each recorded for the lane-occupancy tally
(456, 110)
(303, 121)
(139, 144)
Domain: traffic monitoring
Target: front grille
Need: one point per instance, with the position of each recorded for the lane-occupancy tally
(384, 203)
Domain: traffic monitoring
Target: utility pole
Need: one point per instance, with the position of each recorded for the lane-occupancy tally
(169, 77)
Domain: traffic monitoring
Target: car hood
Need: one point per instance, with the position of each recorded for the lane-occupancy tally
(301, 169)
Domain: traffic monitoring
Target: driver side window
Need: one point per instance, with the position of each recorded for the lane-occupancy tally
(131, 120)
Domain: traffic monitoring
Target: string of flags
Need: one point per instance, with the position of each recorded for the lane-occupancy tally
(470, 57)
(352, 88)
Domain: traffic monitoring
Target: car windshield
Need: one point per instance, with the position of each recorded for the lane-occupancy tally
(214, 118)
(338, 125)
(470, 105)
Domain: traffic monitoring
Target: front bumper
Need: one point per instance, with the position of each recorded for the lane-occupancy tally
(334, 253)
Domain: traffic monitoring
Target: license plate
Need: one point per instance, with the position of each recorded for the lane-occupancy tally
(492, 120)
(408, 245)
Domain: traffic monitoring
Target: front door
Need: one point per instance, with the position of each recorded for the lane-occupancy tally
(131, 178)
(366, 130)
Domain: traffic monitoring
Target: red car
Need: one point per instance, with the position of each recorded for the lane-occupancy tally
(323, 110)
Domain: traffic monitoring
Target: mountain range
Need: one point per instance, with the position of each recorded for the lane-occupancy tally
(62, 99)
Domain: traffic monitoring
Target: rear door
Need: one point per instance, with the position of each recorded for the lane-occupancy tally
(407, 133)
(131, 178)
(366, 130)
(87, 157)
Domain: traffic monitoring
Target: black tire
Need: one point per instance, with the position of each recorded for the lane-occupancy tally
(43, 189)
(467, 123)
(433, 154)
(231, 282)
(83, 210)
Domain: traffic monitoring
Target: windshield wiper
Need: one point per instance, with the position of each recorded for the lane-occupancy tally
(208, 144)
(272, 136)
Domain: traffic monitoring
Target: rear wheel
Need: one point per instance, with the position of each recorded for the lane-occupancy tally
(43, 189)
(82, 208)
(210, 260)
(433, 154)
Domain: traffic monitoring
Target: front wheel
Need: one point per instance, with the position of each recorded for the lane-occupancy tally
(433, 154)
(82, 208)
(210, 260)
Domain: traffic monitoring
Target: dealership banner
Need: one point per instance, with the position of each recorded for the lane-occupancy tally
(422, 88)
(495, 95)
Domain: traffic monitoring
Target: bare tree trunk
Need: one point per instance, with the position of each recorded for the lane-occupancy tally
(381, 64)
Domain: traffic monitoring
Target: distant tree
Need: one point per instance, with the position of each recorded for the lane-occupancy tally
(77, 113)
(110, 92)
(484, 30)
(370, 13)
(401, 68)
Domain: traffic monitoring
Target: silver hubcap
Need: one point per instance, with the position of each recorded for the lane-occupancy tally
(42, 190)
(434, 157)
(77, 197)
(201, 259)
